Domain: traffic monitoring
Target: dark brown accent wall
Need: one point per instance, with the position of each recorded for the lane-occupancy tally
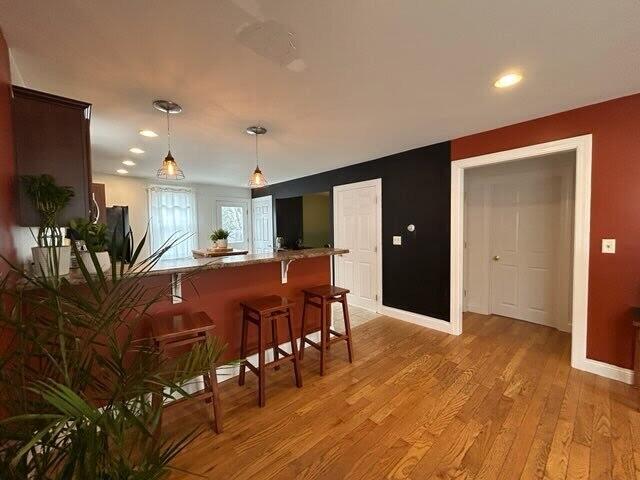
(7, 160)
(614, 280)
(416, 187)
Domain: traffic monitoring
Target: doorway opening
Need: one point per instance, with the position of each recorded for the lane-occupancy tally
(518, 239)
(579, 278)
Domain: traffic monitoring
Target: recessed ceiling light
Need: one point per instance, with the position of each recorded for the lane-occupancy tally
(129, 163)
(148, 133)
(136, 150)
(122, 171)
(508, 80)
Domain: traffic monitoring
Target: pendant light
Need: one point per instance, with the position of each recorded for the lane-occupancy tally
(169, 169)
(257, 178)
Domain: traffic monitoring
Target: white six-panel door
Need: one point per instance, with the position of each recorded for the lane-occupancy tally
(357, 228)
(524, 224)
(262, 217)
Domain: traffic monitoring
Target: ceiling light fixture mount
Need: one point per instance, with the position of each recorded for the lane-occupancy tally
(257, 179)
(508, 80)
(169, 169)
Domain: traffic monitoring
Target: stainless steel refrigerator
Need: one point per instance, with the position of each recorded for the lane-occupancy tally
(120, 234)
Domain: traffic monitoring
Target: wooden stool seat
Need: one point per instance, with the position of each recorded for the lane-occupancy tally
(326, 291)
(321, 297)
(261, 312)
(168, 328)
(178, 331)
(267, 305)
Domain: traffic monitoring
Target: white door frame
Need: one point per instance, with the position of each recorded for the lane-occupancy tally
(245, 203)
(377, 183)
(582, 217)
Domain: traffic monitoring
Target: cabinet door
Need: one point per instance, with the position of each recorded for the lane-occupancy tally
(52, 137)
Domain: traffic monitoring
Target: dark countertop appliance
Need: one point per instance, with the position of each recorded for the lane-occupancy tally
(119, 232)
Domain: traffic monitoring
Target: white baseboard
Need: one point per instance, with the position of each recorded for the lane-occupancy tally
(416, 318)
(606, 370)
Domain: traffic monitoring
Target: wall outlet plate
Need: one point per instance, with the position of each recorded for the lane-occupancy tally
(608, 245)
(397, 240)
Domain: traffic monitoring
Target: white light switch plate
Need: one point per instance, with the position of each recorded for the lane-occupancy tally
(608, 245)
(397, 240)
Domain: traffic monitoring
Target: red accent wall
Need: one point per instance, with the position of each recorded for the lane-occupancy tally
(7, 160)
(614, 280)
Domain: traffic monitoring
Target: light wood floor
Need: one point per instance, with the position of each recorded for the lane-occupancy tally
(499, 401)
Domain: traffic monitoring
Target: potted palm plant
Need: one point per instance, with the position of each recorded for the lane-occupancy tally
(220, 238)
(51, 257)
(76, 380)
(95, 252)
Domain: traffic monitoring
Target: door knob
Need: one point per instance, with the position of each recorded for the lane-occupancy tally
(496, 258)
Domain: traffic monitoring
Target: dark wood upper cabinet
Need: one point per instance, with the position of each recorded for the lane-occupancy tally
(52, 136)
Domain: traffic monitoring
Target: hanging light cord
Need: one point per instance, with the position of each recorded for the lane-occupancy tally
(168, 131)
(257, 164)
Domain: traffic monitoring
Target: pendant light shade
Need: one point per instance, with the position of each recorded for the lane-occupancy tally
(257, 178)
(169, 169)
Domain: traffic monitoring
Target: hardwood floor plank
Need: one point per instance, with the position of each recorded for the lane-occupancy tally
(578, 467)
(498, 401)
(558, 458)
(600, 462)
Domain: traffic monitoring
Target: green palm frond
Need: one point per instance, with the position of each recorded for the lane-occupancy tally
(75, 381)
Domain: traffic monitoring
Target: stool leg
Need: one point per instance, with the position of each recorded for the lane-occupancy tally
(323, 335)
(274, 339)
(303, 331)
(243, 347)
(347, 326)
(216, 406)
(328, 313)
(211, 381)
(294, 352)
(261, 362)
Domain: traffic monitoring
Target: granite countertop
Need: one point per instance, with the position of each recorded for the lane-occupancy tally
(186, 265)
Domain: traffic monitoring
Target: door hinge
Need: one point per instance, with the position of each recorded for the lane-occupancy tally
(375, 249)
(464, 292)
(376, 297)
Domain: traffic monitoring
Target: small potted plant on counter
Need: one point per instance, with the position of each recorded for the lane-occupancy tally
(94, 236)
(51, 257)
(219, 238)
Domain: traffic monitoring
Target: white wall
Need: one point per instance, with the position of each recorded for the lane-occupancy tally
(131, 191)
(478, 185)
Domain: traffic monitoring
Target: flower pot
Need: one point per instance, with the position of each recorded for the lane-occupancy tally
(44, 264)
(103, 260)
(221, 243)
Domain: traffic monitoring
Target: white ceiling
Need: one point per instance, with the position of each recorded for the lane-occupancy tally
(368, 78)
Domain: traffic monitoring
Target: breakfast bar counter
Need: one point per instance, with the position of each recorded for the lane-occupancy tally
(217, 286)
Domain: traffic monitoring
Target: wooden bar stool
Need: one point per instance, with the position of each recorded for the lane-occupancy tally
(321, 297)
(177, 332)
(262, 312)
